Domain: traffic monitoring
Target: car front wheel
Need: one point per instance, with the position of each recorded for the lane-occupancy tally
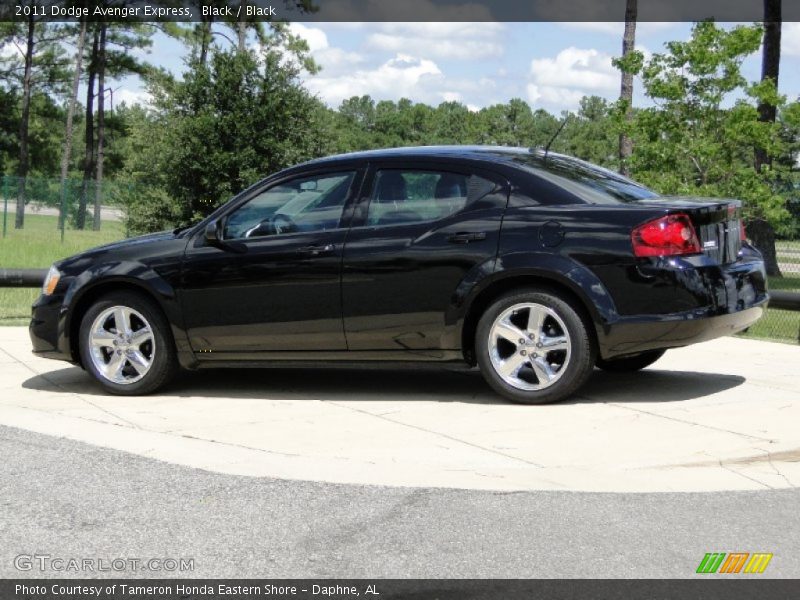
(126, 344)
(533, 347)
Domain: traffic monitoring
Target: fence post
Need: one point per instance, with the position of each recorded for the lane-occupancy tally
(62, 220)
(5, 205)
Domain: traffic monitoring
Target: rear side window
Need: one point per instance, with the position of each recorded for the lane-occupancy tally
(588, 182)
(416, 196)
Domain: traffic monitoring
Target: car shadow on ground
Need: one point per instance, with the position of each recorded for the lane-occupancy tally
(386, 385)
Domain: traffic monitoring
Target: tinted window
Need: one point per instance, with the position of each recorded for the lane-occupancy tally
(590, 183)
(304, 204)
(414, 196)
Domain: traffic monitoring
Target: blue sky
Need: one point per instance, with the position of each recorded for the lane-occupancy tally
(550, 65)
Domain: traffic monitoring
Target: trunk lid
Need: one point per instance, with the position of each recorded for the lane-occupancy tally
(718, 222)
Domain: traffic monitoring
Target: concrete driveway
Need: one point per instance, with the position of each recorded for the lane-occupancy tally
(717, 416)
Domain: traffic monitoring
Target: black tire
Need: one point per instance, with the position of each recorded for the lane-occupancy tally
(630, 363)
(576, 371)
(164, 363)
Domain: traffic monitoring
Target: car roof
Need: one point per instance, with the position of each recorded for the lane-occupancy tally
(485, 153)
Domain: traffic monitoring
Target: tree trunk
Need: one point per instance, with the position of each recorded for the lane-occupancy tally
(626, 89)
(24, 158)
(88, 160)
(73, 101)
(762, 236)
(241, 30)
(770, 67)
(101, 82)
(205, 40)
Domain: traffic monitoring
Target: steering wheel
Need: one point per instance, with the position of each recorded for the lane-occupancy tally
(282, 223)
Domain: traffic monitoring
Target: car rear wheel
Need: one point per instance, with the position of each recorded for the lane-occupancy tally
(630, 363)
(533, 347)
(126, 344)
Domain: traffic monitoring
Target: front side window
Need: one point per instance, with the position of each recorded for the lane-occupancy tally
(402, 196)
(304, 204)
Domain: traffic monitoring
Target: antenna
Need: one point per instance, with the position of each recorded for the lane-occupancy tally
(555, 135)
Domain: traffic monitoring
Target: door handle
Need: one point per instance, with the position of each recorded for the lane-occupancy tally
(317, 250)
(467, 237)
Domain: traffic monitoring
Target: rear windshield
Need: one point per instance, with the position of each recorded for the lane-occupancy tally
(590, 183)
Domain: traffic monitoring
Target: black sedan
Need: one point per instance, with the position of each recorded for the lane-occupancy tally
(534, 266)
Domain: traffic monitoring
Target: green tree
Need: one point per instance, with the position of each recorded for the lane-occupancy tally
(699, 138)
(591, 133)
(37, 67)
(626, 84)
(110, 55)
(217, 130)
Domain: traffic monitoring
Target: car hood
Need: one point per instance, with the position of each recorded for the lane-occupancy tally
(125, 244)
(134, 241)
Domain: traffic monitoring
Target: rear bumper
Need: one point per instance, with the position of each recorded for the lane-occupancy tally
(738, 298)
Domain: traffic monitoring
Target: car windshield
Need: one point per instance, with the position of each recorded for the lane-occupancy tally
(592, 184)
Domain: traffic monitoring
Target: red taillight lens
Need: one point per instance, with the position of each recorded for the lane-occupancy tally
(667, 236)
(742, 231)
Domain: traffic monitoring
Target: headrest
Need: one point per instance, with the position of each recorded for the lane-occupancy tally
(391, 187)
(451, 186)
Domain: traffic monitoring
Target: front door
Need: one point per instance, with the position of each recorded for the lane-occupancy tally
(418, 234)
(282, 293)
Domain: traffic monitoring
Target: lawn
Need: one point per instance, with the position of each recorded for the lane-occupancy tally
(39, 244)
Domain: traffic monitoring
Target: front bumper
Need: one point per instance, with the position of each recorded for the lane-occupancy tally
(45, 329)
(737, 298)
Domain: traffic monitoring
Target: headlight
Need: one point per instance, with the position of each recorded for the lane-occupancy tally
(51, 281)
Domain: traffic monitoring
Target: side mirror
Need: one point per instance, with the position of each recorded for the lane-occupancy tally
(213, 231)
(213, 236)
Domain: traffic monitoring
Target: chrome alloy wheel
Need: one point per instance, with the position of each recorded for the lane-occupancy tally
(529, 346)
(122, 345)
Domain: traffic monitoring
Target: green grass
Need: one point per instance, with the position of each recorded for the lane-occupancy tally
(38, 245)
(777, 326)
(790, 282)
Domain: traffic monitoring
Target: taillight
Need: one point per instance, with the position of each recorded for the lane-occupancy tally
(672, 235)
(742, 231)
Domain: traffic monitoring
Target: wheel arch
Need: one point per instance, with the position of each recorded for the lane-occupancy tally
(503, 285)
(86, 295)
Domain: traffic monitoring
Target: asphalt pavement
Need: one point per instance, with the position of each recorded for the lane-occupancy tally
(67, 499)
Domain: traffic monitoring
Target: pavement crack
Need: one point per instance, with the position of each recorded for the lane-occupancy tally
(65, 390)
(774, 467)
(687, 422)
(437, 433)
(727, 468)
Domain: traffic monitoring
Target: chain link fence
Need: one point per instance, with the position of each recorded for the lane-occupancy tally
(57, 221)
(778, 324)
(77, 205)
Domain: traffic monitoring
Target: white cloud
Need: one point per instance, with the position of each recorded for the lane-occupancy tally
(463, 41)
(790, 39)
(402, 76)
(131, 97)
(576, 68)
(316, 38)
(8, 51)
(451, 96)
(554, 96)
(331, 59)
(409, 69)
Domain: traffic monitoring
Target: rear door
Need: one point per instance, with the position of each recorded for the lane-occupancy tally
(419, 230)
